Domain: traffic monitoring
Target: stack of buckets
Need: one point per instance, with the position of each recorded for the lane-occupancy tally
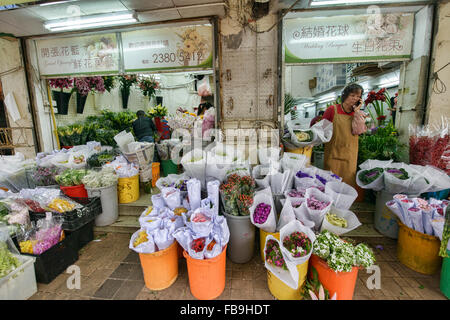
(341, 283)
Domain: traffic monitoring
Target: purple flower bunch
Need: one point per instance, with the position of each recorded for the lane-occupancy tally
(315, 204)
(336, 176)
(84, 85)
(296, 194)
(261, 213)
(45, 176)
(61, 83)
(321, 179)
(301, 174)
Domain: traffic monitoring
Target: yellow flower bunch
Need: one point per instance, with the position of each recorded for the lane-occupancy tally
(27, 246)
(61, 205)
(142, 237)
(158, 111)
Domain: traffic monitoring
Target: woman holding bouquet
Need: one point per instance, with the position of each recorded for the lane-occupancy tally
(341, 153)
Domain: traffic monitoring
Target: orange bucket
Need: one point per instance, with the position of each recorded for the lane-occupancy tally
(341, 283)
(160, 268)
(207, 276)
(155, 173)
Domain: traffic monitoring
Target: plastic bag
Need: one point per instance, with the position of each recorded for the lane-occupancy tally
(281, 182)
(194, 163)
(264, 196)
(349, 216)
(171, 197)
(343, 195)
(203, 87)
(9, 254)
(123, 139)
(359, 123)
(77, 160)
(261, 174)
(293, 161)
(268, 155)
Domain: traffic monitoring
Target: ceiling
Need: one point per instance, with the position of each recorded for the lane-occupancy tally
(28, 19)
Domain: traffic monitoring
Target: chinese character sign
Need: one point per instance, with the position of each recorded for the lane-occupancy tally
(174, 47)
(348, 38)
(78, 55)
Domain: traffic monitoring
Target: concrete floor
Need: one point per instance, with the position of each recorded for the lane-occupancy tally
(111, 271)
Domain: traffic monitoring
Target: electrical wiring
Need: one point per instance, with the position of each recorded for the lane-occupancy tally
(439, 86)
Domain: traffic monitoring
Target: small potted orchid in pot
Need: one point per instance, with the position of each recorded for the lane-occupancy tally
(62, 98)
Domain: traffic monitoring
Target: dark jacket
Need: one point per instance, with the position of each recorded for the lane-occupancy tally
(143, 126)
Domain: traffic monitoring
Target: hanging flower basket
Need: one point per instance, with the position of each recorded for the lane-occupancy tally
(62, 101)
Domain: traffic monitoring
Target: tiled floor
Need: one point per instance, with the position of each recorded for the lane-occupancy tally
(111, 271)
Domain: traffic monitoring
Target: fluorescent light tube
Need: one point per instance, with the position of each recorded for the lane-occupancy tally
(91, 25)
(90, 21)
(389, 84)
(325, 3)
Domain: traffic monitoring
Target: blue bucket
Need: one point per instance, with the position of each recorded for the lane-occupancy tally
(439, 195)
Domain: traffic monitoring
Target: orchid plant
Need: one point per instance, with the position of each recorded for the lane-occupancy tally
(377, 100)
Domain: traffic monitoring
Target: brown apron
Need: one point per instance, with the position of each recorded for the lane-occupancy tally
(341, 153)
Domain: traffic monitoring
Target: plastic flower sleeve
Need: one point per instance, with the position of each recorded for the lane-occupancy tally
(150, 223)
(395, 208)
(427, 216)
(213, 194)
(293, 161)
(323, 131)
(286, 231)
(194, 164)
(317, 204)
(172, 197)
(194, 193)
(281, 182)
(143, 247)
(158, 201)
(201, 222)
(289, 276)
(183, 237)
(162, 238)
(405, 205)
(416, 218)
(287, 214)
(349, 216)
(343, 195)
(394, 184)
(261, 174)
(264, 197)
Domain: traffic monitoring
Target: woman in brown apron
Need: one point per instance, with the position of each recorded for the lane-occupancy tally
(341, 153)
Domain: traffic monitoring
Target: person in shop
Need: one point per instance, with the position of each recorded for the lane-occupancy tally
(316, 118)
(393, 108)
(144, 128)
(205, 104)
(341, 152)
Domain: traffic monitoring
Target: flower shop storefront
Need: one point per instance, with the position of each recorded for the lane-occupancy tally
(165, 70)
(323, 51)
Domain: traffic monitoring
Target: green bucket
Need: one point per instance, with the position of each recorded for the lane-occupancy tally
(168, 167)
(445, 276)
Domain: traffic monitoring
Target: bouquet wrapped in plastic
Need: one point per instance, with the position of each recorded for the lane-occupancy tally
(42, 236)
(8, 254)
(99, 179)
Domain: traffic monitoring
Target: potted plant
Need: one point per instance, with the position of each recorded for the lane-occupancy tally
(158, 113)
(126, 82)
(61, 98)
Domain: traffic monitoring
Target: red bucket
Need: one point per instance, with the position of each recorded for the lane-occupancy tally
(75, 191)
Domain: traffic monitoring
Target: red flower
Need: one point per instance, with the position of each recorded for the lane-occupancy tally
(381, 118)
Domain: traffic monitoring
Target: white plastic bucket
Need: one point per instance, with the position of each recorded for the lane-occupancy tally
(110, 204)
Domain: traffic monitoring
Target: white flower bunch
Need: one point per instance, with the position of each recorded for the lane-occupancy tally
(342, 256)
(181, 121)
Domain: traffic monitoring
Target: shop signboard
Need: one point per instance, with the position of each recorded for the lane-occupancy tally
(186, 47)
(349, 38)
(93, 54)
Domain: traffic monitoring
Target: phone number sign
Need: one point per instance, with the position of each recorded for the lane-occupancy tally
(168, 48)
